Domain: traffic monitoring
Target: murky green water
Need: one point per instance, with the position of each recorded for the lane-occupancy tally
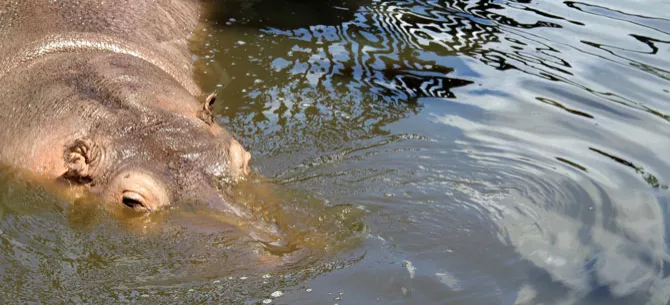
(500, 152)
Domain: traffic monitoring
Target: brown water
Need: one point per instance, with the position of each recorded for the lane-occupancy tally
(437, 152)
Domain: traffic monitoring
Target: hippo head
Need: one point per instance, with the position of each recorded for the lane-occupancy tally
(145, 157)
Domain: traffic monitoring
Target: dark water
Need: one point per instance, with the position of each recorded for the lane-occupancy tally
(501, 153)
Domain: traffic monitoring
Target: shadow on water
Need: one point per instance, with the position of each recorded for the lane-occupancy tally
(282, 14)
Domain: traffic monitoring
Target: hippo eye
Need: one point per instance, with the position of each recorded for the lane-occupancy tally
(133, 200)
(138, 190)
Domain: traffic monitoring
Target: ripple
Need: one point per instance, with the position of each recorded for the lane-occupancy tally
(535, 158)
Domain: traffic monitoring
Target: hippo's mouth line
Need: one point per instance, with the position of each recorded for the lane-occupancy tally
(91, 42)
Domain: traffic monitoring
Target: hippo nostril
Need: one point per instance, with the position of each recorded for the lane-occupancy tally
(269, 235)
(245, 166)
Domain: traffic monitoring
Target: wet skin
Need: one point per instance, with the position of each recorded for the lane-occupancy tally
(100, 95)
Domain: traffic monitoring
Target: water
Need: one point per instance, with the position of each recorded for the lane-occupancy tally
(500, 152)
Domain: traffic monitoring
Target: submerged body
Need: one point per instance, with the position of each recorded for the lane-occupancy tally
(100, 94)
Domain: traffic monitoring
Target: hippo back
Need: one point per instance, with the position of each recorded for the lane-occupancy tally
(155, 30)
(68, 68)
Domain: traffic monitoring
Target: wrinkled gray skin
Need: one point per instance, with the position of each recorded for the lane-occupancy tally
(100, 93)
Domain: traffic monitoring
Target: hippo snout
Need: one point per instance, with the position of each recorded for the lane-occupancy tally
(239, 215)
(144, 191)
(239, 159)
(266, 233)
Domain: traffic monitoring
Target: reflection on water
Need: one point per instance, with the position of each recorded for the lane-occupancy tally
(72, 253)
(503, 152)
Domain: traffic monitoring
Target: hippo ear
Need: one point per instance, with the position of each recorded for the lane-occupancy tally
(206, 114)
(81, 158)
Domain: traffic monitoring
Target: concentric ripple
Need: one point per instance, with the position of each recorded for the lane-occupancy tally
(507, 152)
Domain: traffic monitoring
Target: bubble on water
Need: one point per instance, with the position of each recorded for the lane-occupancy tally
(308, 289)
(526, 295)
(243, 278)
(449, 280)
(276, 294)
(267, 276)
(410, 268)
(267, 301)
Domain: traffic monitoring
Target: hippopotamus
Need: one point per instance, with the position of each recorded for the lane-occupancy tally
(101, 95)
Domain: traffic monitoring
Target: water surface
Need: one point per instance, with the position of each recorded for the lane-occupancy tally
(501, 152)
